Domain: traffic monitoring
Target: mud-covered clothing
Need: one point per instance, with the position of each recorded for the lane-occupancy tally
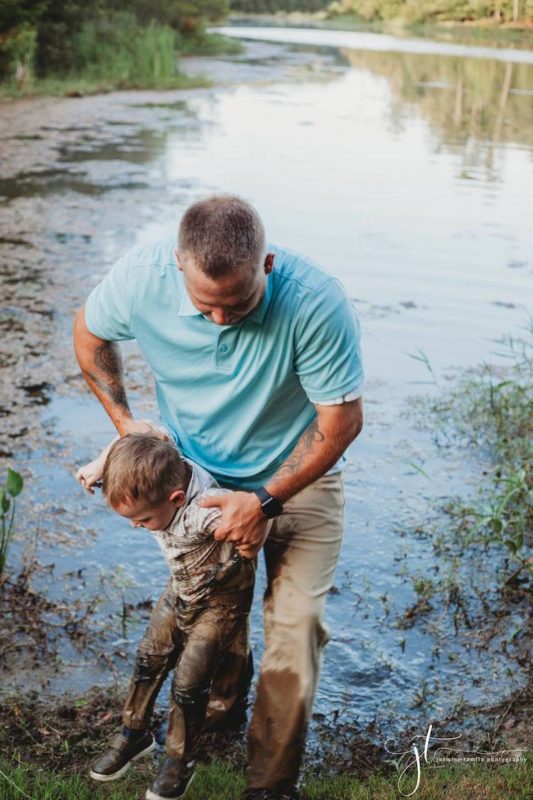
(301, 554)
(191, 640)
(200, 617)
(199, 565)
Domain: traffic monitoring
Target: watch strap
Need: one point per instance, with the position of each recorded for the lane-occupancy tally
(270, 505)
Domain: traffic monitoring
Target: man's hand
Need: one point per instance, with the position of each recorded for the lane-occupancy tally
(142, 426)
(242, 521)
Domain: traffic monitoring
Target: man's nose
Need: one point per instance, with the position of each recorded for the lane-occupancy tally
(220, 316)
(135, 524)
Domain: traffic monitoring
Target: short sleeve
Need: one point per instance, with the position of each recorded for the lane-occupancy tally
(205, 520)
(328, 358)
(108, 310)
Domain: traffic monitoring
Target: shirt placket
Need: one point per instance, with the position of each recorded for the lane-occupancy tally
(224, 350)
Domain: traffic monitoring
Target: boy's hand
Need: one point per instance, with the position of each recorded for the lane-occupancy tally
(242, 521)
(91, 474)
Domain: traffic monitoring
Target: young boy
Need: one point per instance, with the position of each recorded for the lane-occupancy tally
(203, 609)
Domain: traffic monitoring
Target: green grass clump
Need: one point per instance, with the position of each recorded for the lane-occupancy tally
(493, 410)
(219, 782)
(120, 49)
(81, 87)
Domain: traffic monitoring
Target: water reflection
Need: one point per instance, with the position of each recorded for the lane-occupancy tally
(474, 98)
(473, 106)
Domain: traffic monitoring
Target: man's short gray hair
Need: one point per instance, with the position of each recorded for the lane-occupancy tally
(222, 234)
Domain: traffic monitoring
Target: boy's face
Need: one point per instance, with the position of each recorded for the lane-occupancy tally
(155, 518)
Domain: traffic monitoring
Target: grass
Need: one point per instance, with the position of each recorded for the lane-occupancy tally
(80, 86)
(475, 781)
(492, 409)
(109, 72)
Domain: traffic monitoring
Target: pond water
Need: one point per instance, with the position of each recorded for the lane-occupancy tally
(403, 169)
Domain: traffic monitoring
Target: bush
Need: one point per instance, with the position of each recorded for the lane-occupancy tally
(117, 48)
(17, 55)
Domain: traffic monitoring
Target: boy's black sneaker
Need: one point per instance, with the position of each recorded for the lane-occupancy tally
(173, 780)
(121, 752)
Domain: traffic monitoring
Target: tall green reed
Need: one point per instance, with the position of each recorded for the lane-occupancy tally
(118, 48)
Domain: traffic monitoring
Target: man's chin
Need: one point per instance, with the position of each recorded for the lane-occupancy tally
(225, 324)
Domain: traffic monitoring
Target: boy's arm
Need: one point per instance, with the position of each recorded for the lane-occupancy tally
(91, 474)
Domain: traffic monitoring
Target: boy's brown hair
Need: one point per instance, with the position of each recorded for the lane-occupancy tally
(141, 466)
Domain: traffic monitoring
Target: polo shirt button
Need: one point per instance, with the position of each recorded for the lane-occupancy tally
(223, 348)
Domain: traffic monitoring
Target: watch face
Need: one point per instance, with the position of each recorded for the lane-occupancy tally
(272, 507)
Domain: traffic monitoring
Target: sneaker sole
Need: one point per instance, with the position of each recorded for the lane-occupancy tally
(153, 796)
(100, 776)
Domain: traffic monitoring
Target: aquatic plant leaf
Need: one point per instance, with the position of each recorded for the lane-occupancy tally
(15, 482)
(5, 502)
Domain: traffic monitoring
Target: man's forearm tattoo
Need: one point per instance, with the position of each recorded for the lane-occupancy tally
(110, 380)
(311, 436)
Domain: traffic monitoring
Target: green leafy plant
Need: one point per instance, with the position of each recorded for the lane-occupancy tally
(12, 488)
(492, 409)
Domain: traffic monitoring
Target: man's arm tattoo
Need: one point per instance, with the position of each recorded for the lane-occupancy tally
(110, 381)
(311, 436)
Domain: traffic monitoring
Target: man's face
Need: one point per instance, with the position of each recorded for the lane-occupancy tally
(225, 300)
(154, 518)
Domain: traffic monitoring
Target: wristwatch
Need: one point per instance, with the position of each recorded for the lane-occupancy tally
(270, 505)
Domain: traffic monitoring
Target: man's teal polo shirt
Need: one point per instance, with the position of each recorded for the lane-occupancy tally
(236, 397)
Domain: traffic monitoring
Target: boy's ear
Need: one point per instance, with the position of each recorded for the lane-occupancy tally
(177, 497)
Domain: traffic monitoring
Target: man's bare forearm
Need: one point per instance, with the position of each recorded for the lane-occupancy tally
(318, 449)
(108, 374)
(101, 365)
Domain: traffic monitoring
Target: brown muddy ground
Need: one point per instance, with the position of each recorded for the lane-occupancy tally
(37, 730)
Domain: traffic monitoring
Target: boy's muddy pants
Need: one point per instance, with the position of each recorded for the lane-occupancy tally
(192, 641)
(301, 553)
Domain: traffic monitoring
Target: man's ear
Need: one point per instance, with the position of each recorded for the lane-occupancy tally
(177, 257)
(177, 497)
(269, 263)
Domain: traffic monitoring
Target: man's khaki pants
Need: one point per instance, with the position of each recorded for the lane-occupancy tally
(301, 554)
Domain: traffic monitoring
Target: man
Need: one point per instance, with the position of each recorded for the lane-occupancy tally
(258, 375)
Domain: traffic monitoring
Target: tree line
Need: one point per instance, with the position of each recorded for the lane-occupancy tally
(272, 6)
(49, 38)
(405, 10)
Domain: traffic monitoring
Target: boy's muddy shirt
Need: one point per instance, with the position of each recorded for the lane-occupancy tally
(189, 548)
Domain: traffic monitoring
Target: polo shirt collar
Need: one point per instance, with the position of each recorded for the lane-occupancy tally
(259, 312)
